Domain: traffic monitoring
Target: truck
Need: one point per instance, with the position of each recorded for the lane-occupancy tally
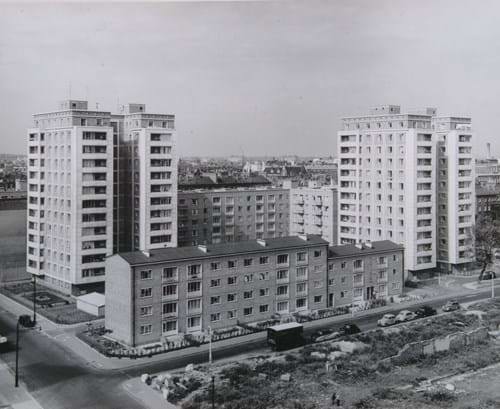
(285, 336)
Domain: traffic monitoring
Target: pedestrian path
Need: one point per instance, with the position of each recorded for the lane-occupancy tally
(12, 397)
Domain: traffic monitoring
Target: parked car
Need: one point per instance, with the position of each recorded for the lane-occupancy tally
(451, 305)
(489, 275)
(425, 311)
(349, 329)
(3, 340)
(325, 334)
(386, 320)
(405, 315)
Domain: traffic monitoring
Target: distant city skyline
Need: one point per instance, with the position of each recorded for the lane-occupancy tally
(252, 78)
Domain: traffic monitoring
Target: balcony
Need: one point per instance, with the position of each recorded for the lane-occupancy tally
(194, 294)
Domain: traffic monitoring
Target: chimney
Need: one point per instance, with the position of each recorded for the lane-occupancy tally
(303, 237)
(488, 148)
(359, 246)
(368, 244)
(203, 248)
(261, 242)
(146, 253)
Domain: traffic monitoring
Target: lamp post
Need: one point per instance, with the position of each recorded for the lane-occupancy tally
(492, 285)
(210, 345)
(17, 354)
(34, 299)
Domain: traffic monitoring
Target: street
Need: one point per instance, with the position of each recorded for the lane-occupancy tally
(58, 379)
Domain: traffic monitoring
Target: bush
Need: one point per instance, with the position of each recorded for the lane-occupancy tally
(237, 374)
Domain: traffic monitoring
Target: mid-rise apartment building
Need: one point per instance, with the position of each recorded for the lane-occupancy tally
(209, 216)
(156, 294)
(82, 205)
(389, 183)
(314, 210)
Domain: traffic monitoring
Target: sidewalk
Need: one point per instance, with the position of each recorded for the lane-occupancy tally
(12, 397)
(146, 395)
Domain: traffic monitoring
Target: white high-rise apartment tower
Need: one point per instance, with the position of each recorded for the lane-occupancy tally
(90, 178)
(388, 184)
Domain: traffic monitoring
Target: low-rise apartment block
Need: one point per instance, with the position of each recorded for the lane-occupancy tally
(364, 272)
(164, 292)
(208, 216)
(153, 295)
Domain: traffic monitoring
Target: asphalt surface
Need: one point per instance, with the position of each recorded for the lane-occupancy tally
(58, 379)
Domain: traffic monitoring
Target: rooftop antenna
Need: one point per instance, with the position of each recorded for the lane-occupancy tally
(488, 148)
(97, 106)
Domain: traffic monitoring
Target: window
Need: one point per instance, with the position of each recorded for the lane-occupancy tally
(263, 292)
(247, 262)
(282, 290)
(169, 326)
(301, 303)
(145, 311)
(247, 311)
(215, 283)
(170, 273)
(301, 257)
(301, 287)
(282, 275)
(146, 292)
(318, 298)
(169, 308)
(194, 270)
(215, 317)
(193, 322)
(146, 275)
(232, 297)
(358, 264)
(194, 287)
(146, 329)
(232, 314)
(248, 278)
(264, 308)
(215, 299)
(357, 292)
(264, 260)
(282, 306)
(317, 253)
(318, 284)
(343, 265)
(264, 276)
(247, 294)
(301, 273)
(232, 280)
(214, 266)
(231, 264)
(282, 258)
(194, 305)
(169, 290)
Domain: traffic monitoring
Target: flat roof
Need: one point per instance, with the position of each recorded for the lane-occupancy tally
(283, 327)
(96, 299)
(221, 249)
(348, 250)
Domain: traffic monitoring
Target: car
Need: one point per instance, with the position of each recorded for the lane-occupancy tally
(3, 340)
(451, 305)
(386, 320)
(489, 275)
(425, 311)
(349, 329)
(405, 315)
(324, 334)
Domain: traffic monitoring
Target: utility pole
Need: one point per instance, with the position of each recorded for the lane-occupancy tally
(17, 354)
(210, 345)
(34, 299)
(213, 392)
(492, 285)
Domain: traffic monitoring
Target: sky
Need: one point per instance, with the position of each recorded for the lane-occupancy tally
(252, 78)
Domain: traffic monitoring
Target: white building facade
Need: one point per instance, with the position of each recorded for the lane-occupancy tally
(388, 182)
(77, 186)
(313, 210)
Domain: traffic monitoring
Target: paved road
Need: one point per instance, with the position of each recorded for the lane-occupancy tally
(58, 379)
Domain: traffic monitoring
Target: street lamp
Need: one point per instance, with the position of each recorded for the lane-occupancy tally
(25, 321)
(210, 345)
(492, 284)
(34, 299)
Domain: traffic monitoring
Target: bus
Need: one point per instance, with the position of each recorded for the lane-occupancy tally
(285, 336)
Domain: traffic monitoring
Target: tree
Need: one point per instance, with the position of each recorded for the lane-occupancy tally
(486, 241)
